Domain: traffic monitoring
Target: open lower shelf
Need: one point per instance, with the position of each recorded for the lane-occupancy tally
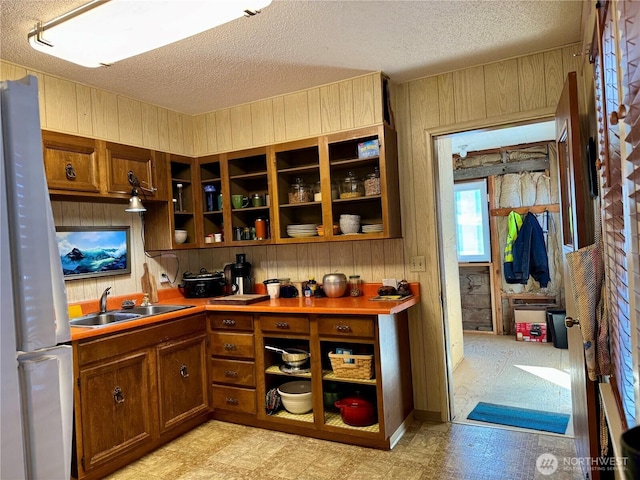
(329, 375)
(303, 417)
(275, 370)
(335, 420)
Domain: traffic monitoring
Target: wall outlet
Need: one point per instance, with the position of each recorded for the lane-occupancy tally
(164, 278)
(417, 264)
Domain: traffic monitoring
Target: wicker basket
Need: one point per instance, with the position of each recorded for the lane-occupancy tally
(360, 367)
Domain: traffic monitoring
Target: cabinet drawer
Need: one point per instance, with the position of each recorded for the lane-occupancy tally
(237, 345)
(233, 398)
(284, 323)
(235, 372)
(346, 326)
(231, 321)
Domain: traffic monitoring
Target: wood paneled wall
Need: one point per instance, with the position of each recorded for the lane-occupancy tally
(456, 100)
(77, 109)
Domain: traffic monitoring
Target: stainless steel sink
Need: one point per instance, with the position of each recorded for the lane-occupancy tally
(154, 309)
(95, 320)
(102, 319)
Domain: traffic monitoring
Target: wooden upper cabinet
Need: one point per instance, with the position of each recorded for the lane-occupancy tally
(125, 164)
(71, 163)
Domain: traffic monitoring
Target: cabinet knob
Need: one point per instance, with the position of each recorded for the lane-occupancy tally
(570, 322)
(343, 328)
(230, 373)
(229, 346)
(183, 371)
(228, 322)
(69, 171)
(118, 396)
(282, 325)
(231, 401)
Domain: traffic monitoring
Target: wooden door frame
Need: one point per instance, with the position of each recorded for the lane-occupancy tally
(532, 116)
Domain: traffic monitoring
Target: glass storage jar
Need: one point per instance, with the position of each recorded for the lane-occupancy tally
(317, 192)
(355, 285)
(351, 186)
(300, 192)
(372, 183)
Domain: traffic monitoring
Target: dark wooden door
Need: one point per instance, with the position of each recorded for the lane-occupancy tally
(577, 228)
(182, 380)
(115, 408)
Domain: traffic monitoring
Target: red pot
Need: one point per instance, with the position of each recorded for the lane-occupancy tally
(357, 411)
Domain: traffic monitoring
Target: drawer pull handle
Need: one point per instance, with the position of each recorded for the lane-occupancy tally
(69, 171)
(283, 325)
(231, 401)
(118, 396)
(229, 346)
(228, 322)
(183, 371)
(230, 373)
(343, 328)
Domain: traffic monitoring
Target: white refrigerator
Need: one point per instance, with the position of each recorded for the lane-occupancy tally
(36, 376)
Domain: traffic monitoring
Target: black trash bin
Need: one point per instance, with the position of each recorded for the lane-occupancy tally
(555, 323)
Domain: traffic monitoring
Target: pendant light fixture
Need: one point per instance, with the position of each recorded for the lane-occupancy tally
(103, 32)
(135, 204)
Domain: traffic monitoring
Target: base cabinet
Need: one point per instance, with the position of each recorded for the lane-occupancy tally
(116, 408)
(381, 373)
(136, 390)
(182, 380)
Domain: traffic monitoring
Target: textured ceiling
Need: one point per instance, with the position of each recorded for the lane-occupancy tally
(293, 45)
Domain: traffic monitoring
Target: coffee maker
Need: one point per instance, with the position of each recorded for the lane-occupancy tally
(238, 275)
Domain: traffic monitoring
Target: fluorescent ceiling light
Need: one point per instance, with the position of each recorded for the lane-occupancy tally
(103, 32)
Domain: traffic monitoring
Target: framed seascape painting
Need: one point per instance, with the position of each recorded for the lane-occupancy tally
(87, 252)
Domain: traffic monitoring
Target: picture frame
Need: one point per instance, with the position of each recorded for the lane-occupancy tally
(87, 252)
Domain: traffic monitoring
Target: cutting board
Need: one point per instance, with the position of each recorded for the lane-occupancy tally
(238, 299)
(149, 285)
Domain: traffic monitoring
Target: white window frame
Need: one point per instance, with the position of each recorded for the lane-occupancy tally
(482, 186)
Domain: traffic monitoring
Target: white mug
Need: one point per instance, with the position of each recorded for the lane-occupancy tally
(273, 289)
(217, 237)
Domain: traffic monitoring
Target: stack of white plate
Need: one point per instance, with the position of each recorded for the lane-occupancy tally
(302, 230)
(375, 228)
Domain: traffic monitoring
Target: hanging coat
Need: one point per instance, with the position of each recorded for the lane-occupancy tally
(530, 253)
(515, 223)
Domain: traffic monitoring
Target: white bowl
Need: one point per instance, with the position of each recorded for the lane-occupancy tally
(180, 236)
(296, 396)
(348, 225)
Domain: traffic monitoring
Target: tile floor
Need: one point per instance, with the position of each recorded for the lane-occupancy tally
(497, 369)
(450, 451)
(218, 450)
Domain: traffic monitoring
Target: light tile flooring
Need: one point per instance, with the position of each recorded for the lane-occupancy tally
(218, 450)
(497, 369)
(493, 371)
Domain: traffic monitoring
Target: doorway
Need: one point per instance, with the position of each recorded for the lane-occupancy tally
(487, 363)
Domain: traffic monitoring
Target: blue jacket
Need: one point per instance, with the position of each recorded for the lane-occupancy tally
(529, 254)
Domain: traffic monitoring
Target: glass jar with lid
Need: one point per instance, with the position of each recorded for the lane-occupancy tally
(355, 286)
(300, 192)
(351, 186)
(317, 192)
(372, 183)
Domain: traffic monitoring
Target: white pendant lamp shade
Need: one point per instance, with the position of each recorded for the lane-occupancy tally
(103, 32)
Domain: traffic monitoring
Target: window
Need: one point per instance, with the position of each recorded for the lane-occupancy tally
(472, 221)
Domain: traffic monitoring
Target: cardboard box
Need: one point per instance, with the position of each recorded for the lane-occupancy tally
(531, 323)
(369, 149)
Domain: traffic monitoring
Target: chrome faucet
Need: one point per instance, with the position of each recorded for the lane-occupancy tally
(103, 300)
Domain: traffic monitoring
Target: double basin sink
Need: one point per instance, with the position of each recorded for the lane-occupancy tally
(94, 320)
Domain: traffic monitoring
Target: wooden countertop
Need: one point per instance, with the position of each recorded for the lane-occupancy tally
(344, 305)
